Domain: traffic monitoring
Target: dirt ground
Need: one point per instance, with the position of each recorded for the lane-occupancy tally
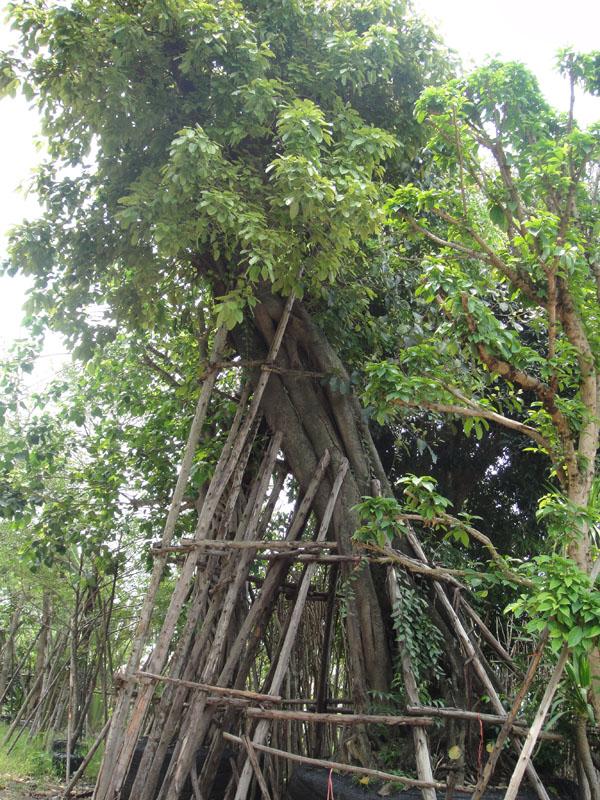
(36, 789)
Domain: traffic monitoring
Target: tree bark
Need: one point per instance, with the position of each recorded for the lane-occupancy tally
(314, 418)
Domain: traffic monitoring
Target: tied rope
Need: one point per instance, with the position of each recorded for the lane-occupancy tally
(480, 751)
(330, 786)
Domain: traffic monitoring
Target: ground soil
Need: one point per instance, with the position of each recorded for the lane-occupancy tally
(12, 788)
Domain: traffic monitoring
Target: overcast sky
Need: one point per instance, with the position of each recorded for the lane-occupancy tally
(525, 30)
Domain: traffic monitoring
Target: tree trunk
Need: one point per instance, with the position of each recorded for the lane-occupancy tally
(313, 418)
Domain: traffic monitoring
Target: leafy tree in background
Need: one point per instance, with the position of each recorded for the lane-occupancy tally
(510, 212)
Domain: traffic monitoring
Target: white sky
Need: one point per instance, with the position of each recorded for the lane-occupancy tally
(525, 30)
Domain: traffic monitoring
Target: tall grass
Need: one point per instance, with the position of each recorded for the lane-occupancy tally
(27, 759)
(30, 759)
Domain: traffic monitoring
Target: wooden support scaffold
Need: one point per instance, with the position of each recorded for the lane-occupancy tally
(192, 690)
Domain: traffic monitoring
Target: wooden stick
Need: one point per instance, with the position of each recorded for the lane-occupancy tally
(191, 733)
(350, 768)
(475, 661)
(508, 723)
(207, 687)
(17, 671)
(107, 779)
(290, 636)
(248, 637)
(230, 544)
(255, 766)
(519, 728)
(421, 744)
(84, 764)
(536, 726)
(487, 634)
(339, 719)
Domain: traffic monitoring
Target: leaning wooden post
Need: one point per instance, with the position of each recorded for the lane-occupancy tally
(531, 739)
(262, 728)
(126, 733)
(121, 710)
(477, 665)
(534, 731)
(422, 756)
(488, 771)
(84, 764)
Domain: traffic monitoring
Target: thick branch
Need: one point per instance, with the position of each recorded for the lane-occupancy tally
(484, 413)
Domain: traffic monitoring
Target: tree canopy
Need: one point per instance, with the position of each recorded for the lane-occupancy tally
(207, 160)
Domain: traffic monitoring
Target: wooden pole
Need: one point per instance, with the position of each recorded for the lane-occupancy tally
(290, 637)
(247, 640)
(507, 725)
(421, 744)
(475, 661)
(84, 764)
(339, 767)
(106, 777)
(536, 726)
(520, 728)
(183, 757)
(218, 690)
(255, 766)
(339, 719)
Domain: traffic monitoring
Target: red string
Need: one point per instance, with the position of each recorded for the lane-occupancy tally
(480, 752)
(330, 786)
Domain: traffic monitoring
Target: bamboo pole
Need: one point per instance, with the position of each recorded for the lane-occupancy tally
(290, 637)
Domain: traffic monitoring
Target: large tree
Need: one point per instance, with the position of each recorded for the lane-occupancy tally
(207, 158)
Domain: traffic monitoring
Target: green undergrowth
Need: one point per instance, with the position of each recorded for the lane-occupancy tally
(30, 759)
(26, 759)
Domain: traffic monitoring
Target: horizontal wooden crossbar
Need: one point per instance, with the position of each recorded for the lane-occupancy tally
(339, 719)
(207, 687)
(488, 719)
(350, 768)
